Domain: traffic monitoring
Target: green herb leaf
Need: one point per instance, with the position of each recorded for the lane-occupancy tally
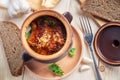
(71, 52)
(28, 32)
(41, 19)
(56, 69)
(52, 23)
(46, 22)
(28, 35)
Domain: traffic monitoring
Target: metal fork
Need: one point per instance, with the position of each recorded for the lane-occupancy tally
(88, 35)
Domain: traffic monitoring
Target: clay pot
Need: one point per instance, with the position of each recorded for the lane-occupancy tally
(62, 52)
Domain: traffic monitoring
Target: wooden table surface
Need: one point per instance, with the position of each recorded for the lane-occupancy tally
(107, 72)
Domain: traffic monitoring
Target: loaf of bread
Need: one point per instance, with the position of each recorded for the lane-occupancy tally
(105, 9)
(13, 48)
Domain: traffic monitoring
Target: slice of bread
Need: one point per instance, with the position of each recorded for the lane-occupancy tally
(13, 48)
(105, 9)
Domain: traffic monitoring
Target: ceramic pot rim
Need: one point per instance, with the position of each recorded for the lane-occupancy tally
(95, 43)
(44, 13)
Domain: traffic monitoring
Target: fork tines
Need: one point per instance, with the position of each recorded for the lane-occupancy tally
(85, 24)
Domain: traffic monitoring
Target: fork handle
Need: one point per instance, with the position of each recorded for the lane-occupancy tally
(98, 76)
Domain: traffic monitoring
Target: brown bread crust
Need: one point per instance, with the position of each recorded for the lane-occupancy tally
(105, 9)
(13, 48)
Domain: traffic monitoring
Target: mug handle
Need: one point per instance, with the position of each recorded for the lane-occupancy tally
(26, 57)
(68, 16)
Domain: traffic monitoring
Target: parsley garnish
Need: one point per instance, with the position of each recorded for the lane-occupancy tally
(28, 34)
(50, 23)
(71, 52)
(56, 69)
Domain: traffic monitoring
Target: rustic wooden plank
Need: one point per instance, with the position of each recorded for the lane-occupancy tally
(109, 72)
